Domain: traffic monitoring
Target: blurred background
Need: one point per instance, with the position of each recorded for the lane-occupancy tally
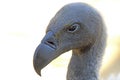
(22, 26)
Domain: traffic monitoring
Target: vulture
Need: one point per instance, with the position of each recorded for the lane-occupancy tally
(78, 27)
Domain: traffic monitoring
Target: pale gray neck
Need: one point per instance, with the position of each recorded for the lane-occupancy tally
(85, 65)
(82, 67)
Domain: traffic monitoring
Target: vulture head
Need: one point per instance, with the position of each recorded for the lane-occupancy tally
(76, 26)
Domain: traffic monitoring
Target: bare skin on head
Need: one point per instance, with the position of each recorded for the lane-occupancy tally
(77, 27)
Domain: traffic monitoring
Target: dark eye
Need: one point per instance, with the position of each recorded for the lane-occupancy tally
(73, 28)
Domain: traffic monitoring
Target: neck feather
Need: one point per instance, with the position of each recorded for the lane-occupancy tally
(85, 65)
(82, 67)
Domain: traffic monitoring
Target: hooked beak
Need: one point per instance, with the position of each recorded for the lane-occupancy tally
(45, 52)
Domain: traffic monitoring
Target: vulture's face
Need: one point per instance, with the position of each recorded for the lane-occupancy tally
(75, 26)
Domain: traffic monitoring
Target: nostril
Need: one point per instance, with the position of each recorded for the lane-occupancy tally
(50, 42)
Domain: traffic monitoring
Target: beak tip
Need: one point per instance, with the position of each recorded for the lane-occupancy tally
(37, 69)
(39, 73)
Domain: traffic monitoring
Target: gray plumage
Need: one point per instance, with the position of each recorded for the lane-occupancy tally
(77, 27)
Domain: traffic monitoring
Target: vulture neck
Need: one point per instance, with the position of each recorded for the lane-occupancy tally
(85, 65)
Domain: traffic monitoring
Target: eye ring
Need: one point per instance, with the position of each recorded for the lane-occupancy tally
(73, 28)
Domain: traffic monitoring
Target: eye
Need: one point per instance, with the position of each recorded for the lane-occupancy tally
(73, 28)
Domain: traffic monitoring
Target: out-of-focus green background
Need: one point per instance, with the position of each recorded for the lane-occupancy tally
(22, 26)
